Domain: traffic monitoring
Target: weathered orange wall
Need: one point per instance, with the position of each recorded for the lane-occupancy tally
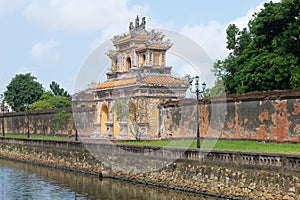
(43, 122)
(273, 115)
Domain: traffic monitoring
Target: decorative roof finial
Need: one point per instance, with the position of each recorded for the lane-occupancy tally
(137, 21)
(131, 27)
(137, 27)
(143, 24)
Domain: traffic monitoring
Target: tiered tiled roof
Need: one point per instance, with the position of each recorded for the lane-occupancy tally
(141, 37)
(123, 39)
(164, 80)
(112, 54)
(130, 53)
(141, 47)
(117, 83)
(158, 46)
(150, 80)
(152, 46)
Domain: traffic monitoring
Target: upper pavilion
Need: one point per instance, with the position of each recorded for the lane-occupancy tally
(140, 57)
(138, 48)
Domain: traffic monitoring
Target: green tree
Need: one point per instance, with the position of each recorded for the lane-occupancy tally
(266, 55)
(48, 101)
(59, 102)
(46, 96)
(57, 90)
(39, 105)
(2, 98)
(22, 91)
(232, 40)
(57, 98)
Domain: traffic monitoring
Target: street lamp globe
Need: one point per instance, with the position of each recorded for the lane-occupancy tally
(203, 86)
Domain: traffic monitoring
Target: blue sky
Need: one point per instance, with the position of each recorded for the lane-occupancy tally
(52, 38)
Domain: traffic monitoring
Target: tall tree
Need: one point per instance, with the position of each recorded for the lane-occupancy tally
(57, 90)
(266, 55)
(22, 91)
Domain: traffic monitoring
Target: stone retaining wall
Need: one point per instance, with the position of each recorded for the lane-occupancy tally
(186, 174)
(253, 160)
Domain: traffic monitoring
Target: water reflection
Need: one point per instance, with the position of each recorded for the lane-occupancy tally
(23, 181)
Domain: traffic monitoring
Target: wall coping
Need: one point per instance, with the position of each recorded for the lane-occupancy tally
(226, 98)
(43, 142)
(37, 112)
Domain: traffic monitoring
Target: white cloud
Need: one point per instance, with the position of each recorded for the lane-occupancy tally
(23, 70)
(48, 51)
(242, 22)
(212, 36)
(80, 15)
(9, 6)
(3, 82)
(182, 66)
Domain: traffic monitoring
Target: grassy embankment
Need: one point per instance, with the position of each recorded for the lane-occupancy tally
(237, 145)
(44, 137)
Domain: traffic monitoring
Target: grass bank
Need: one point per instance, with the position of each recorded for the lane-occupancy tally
(44, 137)
(236, 145)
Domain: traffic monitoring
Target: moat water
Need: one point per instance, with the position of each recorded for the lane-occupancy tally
(25, 181)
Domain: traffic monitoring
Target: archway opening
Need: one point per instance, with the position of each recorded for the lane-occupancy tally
(128, 63)
(104, 118)
(114, 66)
(143, 60)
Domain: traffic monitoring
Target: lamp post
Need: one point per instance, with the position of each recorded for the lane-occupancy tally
(2, 120)
(199, 93)
(76, 131)
(28, 129)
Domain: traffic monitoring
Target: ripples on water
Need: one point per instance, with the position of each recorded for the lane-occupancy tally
(24, 181)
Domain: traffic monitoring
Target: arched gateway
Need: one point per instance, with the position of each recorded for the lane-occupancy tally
(104, 118)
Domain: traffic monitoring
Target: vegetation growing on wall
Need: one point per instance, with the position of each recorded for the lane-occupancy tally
(120, 109)
(138, 112)
(134, 110)
(61, 119)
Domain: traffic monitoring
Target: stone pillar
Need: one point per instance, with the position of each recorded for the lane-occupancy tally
(147, 60)
(123, 134)
(110, 131)
(97, 132)
(143, 129)
(163, 59)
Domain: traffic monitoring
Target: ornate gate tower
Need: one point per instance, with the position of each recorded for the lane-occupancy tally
(127, 102)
